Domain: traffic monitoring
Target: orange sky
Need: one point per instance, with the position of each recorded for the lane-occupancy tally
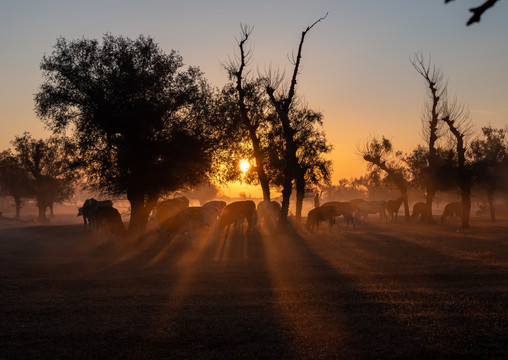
(355, 67)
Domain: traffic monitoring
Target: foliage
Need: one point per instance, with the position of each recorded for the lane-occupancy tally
(50, 165)
(140, 122)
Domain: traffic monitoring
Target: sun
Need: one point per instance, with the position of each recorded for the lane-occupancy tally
(244, 165)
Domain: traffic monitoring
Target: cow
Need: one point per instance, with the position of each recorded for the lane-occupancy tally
(354, 205)
(190, 219)
(452, 210)
(89, 206)
(168, 208)
(268, 212)
(237, 212)
(373, 207)
(419, 210)
(217, 205)
(392, 207)
(343, 208)
(107, 222)
(318, 215)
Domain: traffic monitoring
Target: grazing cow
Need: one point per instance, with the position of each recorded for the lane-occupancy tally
(317, 215)
(452, 210)
(269, 212)
(190, 219)
(392, 207)
(108, 223)
(168, 208)
(419, 210)
(354, 205)
(343, 208)
(217, 205)
(236, 212)
(89, 206)
(373, 207)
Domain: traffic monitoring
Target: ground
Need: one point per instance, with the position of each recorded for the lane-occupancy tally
(382, 291)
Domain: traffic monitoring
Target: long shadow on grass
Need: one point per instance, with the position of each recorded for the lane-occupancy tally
(224, 308)
(334, 317)
(455, 302)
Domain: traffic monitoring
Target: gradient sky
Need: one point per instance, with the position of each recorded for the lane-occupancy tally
(356, 67)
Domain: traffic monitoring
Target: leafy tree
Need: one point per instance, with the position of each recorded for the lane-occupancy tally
(14, 180)
(50, 165)
(312, 167)
(490, 163)
(141, 122)
(379, 153)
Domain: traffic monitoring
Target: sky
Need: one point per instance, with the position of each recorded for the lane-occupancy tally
(356, 65)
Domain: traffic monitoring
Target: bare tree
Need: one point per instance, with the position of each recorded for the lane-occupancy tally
(283, 103)
(236, 70)
(379, 153)
(478, 11)
(432, 113)
(460, 126)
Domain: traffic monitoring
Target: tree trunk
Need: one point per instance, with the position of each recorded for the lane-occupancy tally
(407, 214)
(17, 201)
(300, 195)
(42, 212)
(466, 210)
(428, 206)
(286, 194)
(139, 215)
(465, 192)
(490, 199)
(262, 177)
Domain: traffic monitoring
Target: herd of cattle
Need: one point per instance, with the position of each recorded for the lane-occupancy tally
(176, 218)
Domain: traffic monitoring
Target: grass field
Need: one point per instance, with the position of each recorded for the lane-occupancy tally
(381, 291)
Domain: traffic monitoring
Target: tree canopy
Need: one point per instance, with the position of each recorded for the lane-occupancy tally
(140, 121)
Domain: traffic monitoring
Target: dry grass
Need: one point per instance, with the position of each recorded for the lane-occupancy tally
(382, 291)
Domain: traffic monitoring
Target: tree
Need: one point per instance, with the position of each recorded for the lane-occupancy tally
(50, 165)
(490, 163)
(282, 103)
(250, 105)
(14, 180)
(379, 153)
(478, 11)
(459, 124)
(140, 122)
(433, 109)
(311, 145)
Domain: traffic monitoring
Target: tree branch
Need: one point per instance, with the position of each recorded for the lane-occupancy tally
(478, 11)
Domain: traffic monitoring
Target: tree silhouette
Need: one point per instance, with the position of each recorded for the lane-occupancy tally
(251, 107)
(478, 11)
(283, 103)
(459, 124)
(50, 164)
(14, 180)
(379, 153)
(437, 92)
(311, 145)
(490, 163)
(140, 122)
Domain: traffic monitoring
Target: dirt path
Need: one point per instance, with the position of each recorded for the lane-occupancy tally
(378, 292)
